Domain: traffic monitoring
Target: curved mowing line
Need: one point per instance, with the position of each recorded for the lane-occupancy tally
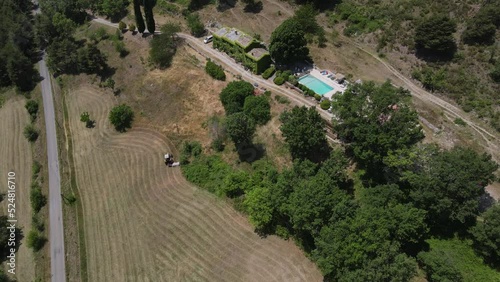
(185, 228)
(139, 141)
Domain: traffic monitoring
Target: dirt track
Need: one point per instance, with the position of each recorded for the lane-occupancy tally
(145, 222)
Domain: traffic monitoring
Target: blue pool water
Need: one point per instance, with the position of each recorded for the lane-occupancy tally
(315, 84)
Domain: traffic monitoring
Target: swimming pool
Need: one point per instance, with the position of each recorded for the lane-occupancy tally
(315, 84)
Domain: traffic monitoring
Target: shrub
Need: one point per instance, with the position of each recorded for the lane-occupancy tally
(317, 97)
(217, 145)
(35, 240)
(121, 117)
(279, 80)
(281, 99)
(122, 26)
(120, 48)
(293, 80)
(268, 73)
(30, 133)
(195, 24)
(32, 108)
(85, 117)
(459, 121)
(215, 70)
(37, 199)
(131, 27)
(190, 149)
(35, 168)
(438, 266)
(325, 104)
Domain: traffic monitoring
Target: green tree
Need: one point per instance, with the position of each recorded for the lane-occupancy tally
(121, 117)
(35, 240)
(234, 94)
(434, 36)
(304, 132)
(32, 108)
(122, 26)
(259, 207)
(361, 249)
(164, 46)
(439, 267)
(132, 27)
(195, 25)
(148, 13)
(305, 16)
(314, 201)
(486, 235)
(495, 73)
(448, 186)
(139, 20)
(215, 70)
(258, 108)
(374, 120)
(37, 199)
(288, 44)
(235, 184)
(30, 133)
(240, 128)
(113, 9)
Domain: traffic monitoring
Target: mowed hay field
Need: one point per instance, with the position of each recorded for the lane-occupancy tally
(145, 222)
(15, 155)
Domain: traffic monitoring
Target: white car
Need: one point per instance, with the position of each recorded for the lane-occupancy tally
(208, 39)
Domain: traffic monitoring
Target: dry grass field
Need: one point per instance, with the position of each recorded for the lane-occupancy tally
(15, 155)
(142, 220)
(145, 222)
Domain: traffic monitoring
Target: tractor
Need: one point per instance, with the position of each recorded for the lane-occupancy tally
(169, 160)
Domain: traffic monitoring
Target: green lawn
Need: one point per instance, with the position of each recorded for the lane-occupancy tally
(469, 264)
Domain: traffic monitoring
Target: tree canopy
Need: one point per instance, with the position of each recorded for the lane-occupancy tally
(258, 108)
(288, 44)
(234, 94)
(448, 186)
(304, 132)
(374, 120)
(240, 128)
(486, 235)
(164, 46)
(434, 36)
(121, 117)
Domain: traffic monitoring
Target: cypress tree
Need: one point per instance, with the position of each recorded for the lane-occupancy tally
(138, 16)
(148, 13)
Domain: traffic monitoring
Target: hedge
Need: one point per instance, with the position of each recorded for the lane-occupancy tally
(279, 80)
(325, 104)
(215, 71)
(268, 73)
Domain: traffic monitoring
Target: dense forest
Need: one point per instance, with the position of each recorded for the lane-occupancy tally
(377, 209)
(456, 42)
(18, 51)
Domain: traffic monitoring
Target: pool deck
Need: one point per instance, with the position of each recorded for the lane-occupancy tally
(336, 87)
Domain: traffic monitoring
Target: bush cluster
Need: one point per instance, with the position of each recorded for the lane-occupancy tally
(268, 73)
(279, 80)
(215, 70)
(306, 90)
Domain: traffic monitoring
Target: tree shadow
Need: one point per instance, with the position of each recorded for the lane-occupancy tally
(485, 202)
(225, 5)
(250, 152)
(254, 7)
(195, 5)
(436, 57)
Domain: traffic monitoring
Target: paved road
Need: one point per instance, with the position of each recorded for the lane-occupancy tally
(56, 233)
